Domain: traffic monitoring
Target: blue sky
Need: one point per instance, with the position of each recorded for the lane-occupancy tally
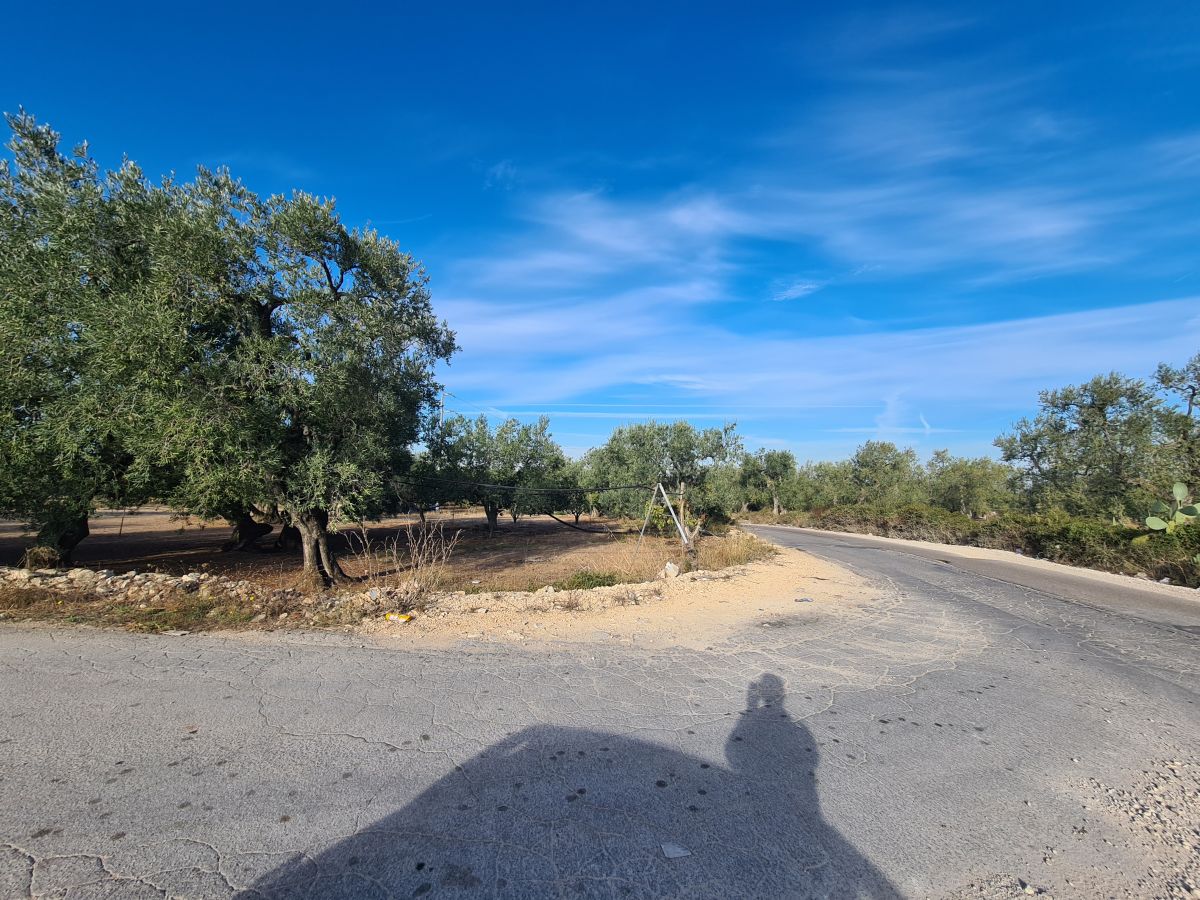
(894, 222)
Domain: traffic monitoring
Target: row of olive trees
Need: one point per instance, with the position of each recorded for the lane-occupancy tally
(519, 469)
(193, 343)
(1105, 449)
(879, 474)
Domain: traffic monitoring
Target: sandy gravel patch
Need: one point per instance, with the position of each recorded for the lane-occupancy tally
(696, 610)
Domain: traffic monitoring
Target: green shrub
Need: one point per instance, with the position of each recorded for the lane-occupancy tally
(587, 579)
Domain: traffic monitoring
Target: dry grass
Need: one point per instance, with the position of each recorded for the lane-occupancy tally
(414, 559)
(735, 548)
(512, 563)
(177, 610)
(455, 553)
(12, 598)
(532, 557)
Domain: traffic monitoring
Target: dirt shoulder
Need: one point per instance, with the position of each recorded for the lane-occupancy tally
(696, 610)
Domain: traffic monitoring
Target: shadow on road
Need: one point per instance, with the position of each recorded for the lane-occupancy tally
(555, 811)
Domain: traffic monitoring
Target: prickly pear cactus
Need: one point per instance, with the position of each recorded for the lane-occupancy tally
(1168, 517)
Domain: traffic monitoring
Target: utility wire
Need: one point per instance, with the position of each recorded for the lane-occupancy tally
(412, 480)
(605, 530)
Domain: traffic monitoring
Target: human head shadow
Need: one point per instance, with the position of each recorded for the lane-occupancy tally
(552, 811)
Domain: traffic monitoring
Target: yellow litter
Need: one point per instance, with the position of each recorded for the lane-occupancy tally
(398, 617)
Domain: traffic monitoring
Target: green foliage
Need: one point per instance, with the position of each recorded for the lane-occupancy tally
(1179, 451)
(660, 522)
(683, 458)
(587, 579)
(1168, 517)
(823, 484)
(572, 478)
(196, 343)
(1091, 448)
(769, 478)
(885, 475)
(83, 259)
(515, 467)
(974, 487)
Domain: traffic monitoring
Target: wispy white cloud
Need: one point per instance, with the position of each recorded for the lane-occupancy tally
(879, 32)
(572, 237)
(501, 176)
(796, 290)
(951, 373)
(956, 177)
(1180, 153)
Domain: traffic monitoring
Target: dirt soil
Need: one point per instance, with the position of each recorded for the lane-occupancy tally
(696, 610)
(526, 555)
(490, 589)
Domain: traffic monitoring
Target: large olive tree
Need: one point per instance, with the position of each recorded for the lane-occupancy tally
(320, 388)
(88, 261)
(195, 343)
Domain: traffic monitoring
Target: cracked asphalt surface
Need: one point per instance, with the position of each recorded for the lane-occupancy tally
(964, 734)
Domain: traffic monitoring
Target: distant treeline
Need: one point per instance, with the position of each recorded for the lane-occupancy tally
(1103, 451)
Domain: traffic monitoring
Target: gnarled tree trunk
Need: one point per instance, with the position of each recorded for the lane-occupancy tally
(57, 540)
(289, 539)
(321, 567)
(246, 531)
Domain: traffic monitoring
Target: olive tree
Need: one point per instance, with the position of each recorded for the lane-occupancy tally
(770, 476)
(317, 391)
(1090, 448)
(884, 475)
(677, 454)
(96, 274)
(973, 487)
(1179, 454)
(513, 467)
(196, 343)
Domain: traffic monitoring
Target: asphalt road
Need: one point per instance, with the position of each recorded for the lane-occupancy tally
(967, 733)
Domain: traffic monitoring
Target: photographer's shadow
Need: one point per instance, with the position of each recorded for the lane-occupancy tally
(554, 812)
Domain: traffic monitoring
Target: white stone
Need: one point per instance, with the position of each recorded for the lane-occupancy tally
(674, 851)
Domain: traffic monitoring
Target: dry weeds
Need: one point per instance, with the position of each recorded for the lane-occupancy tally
(452, 553)
(175, 610)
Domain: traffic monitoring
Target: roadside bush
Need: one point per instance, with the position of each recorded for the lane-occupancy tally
(915, 522)
(587, 579)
